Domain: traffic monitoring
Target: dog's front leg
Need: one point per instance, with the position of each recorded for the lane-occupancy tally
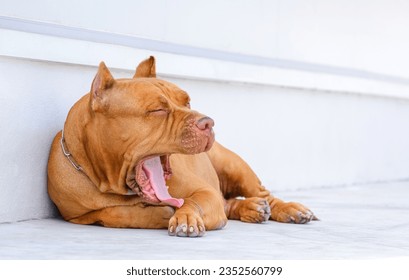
(204, 210)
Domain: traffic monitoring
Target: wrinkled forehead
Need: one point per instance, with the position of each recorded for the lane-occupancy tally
(155, 87)
(172, 91)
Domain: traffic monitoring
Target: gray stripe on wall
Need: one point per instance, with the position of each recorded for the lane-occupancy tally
(57, 30)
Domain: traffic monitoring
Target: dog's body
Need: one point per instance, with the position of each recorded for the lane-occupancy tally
(126, 137)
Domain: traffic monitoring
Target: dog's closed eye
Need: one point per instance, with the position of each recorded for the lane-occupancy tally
(159, 111)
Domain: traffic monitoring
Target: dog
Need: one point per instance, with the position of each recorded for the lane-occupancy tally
(133, 154)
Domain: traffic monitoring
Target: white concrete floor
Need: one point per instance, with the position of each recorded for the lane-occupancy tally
(358, 222)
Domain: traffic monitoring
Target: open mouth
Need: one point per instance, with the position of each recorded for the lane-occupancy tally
(150, 178)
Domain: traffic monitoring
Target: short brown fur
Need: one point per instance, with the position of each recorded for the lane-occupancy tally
(123, 121)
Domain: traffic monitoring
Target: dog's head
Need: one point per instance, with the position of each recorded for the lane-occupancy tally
(141, 122)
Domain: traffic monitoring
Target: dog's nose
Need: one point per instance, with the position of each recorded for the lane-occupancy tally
(205, 123)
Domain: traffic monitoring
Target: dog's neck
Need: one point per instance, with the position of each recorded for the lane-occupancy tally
(79, 141)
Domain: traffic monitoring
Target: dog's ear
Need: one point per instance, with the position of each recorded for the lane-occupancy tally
(146, 69)
(102, 82)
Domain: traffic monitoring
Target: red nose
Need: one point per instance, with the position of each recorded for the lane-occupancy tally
(205, 123)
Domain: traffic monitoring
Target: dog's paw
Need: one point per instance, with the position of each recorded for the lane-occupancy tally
(292, 212)
(254, 210)
(186, 224)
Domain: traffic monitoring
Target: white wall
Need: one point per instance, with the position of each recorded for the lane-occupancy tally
(365, 34)
(312, 94)
(296, 138)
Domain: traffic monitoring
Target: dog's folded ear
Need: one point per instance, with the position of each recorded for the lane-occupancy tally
(103, 81)
(146, 69)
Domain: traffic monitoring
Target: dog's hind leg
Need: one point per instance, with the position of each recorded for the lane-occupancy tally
(251, 210)
(135, 216)
(238, 179)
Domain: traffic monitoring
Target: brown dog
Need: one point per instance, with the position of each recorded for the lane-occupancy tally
(128, 139)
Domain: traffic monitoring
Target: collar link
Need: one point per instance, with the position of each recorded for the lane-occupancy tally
(67, 154)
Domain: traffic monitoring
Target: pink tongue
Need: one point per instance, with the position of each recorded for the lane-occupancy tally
(154, 171)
